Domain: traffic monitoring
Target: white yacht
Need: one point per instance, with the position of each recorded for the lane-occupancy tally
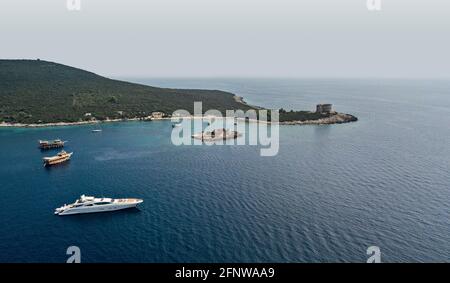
(87, 204)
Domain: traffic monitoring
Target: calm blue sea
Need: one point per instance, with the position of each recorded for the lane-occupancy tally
(331, 192)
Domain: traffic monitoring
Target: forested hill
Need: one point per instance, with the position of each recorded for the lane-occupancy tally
(36, 91)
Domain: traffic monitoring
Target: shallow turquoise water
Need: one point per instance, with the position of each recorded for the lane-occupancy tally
(331, 192)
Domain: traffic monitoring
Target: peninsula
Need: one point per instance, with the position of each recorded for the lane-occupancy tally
(36, 93)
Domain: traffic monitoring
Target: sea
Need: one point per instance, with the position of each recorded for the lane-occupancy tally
(330, 193)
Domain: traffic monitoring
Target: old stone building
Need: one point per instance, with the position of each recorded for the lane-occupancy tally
(324, 108)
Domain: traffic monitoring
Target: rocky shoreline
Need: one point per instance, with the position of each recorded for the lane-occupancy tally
(337, 118)
(61, 124)
(334, 118)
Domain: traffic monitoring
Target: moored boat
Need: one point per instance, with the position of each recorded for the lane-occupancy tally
(51, 144)
(86, 204)
(59, 158)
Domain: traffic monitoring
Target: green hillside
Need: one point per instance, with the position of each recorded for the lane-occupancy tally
(35, 91)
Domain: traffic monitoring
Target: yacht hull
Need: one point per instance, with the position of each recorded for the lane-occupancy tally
(103, 208)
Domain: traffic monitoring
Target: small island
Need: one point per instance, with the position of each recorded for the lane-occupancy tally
(217, 134)
(323, 115)
(38, 93)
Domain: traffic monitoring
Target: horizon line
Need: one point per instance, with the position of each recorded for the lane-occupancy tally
(312, 77)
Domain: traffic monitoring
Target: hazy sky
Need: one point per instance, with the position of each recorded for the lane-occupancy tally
(233, 38)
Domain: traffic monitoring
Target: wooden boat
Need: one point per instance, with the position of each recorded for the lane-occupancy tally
(51, 144)
(59, 158)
